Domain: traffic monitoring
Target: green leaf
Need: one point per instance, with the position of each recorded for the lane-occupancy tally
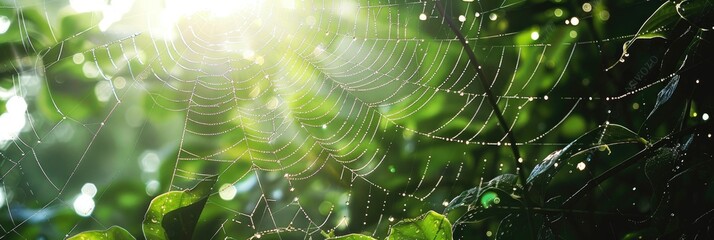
(173, 215)
(595, 140)
(698, 13)
(353, 237)
(112, 233)
(665, 94)
(497, 197)
(429, 226)
(664, 18)
(486, 195)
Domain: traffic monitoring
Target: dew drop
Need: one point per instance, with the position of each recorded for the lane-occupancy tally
(574, 21)
(422, 16)
(581, 166)
(535, 35)
(493, 16)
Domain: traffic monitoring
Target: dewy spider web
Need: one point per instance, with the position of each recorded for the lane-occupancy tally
(304, 109)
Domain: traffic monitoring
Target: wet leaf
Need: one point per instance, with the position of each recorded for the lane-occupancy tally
(505, 183)
(665, 94)
(429, 226)
(112, 233)
(595, 140)
(695, 12)
(173, 215)
(699, 13)
(664, 18)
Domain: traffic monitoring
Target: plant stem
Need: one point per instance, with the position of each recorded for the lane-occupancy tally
(644, 154)
(486, 86)
(494, 104)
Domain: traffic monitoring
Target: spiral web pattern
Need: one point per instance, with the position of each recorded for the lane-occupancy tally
(304, 109)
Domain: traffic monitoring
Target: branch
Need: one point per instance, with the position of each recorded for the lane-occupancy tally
(486, 86)
(644, 154)
(494, 104)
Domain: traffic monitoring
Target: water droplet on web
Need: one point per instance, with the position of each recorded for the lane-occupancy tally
(89, 189)
(581, 166)
(535, 35)
(422, 16)
(493, 16)
(574, 21)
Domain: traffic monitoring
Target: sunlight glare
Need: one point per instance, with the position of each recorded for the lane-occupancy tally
(4, 24)
(13, 120)
(217, 8)
(175, 10)
(2, 197)
(83, 205)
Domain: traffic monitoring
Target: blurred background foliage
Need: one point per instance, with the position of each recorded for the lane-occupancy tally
(111, 107)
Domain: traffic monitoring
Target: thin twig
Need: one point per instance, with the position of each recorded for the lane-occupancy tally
(494, 104)
(486, 86)
(644, 154)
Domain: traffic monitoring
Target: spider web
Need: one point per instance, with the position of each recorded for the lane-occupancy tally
(315, 115)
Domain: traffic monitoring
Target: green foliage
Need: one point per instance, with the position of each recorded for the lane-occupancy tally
(429, 226)
(697, 13)
(112, 233)
(173, 215)
(488, 195)
(596, 140)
